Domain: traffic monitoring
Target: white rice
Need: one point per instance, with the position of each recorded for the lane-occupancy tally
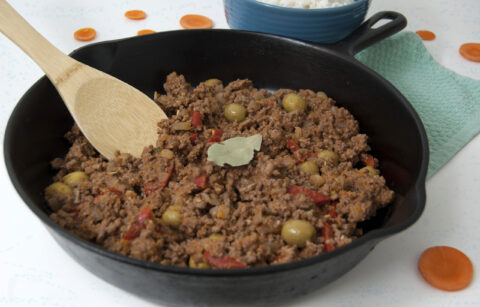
(308, 4)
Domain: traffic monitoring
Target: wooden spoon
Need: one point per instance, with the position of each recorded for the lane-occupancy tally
(110, 113)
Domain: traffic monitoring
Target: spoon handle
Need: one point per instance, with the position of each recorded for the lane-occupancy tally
(52, 61)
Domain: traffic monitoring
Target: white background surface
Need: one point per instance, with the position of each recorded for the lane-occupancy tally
(34, 271)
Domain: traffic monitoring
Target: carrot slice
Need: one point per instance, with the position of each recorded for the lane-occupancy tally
(445, 268)
(426, 35)
(471, 51)
(85, 34)
(145, 31)
(192, 21)
(135, 14)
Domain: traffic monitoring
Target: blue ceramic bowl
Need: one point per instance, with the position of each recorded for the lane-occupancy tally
(327, 25)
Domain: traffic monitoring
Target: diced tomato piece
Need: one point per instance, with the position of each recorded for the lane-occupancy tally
(216, 137)
(137, 226)
(317, 197)
(160, 183)
(193, 138)
(369, 160)
(292, 146)
(327, 236)
(201, 181)
(224, 262)
(196, 119)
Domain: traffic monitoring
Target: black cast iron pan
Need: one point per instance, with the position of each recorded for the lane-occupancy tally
(34, 136)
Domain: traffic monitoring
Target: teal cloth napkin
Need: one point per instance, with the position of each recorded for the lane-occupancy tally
(447, 103)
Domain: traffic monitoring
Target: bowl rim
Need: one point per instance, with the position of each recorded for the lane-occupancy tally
(417, 190)
(295, 10)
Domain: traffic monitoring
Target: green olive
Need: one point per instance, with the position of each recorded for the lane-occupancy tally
(172, 217)
(74, 178)
(309, 167)
(200, 265)
(297, 232)
(369, 170)
(58, 188)
(57, 194)
(322, 95)
(235, 112)
(329, 156)
(293, 102)
(212, 82)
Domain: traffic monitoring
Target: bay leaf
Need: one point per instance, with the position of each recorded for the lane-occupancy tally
(236, 151)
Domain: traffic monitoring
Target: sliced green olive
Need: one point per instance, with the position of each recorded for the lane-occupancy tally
(309, 167)
(212, 82)
(297, 232)
(235, 112)
(369, 171)
(293, 102)
(172, 217)
(197, 265)
(329, 156)
(74, 178)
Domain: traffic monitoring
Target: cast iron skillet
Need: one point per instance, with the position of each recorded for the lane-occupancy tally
(34, 136)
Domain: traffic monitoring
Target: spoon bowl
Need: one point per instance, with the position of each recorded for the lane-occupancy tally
(111, 114)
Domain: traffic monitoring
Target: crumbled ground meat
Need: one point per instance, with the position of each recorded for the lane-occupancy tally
(121, 204)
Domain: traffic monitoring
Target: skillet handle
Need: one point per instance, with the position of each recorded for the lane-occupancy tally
(365, 35)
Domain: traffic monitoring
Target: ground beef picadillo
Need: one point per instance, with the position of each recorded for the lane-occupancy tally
(173, 207)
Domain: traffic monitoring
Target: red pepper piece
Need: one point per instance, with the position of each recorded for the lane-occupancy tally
(327, 236)
(317, 197)
(160, 183)
(224, 262)
(193, 138)
(137, 226)
(216, 137)
(300, 160)
(196, 119)
(292, 146)
(333, 210)
(201, 181)
(115, 191)
(368, 160)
